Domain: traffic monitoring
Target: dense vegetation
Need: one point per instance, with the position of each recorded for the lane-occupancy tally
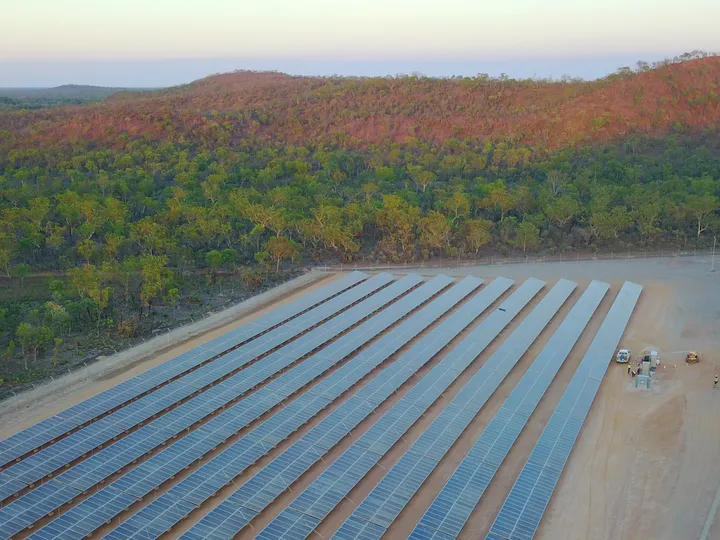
(115, 228)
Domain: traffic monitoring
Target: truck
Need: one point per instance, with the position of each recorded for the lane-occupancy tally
(623, 356)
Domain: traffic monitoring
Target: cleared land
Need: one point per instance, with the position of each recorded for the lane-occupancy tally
(645, 464)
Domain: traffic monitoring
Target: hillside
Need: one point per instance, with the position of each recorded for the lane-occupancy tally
(127, 216)
(357, 112)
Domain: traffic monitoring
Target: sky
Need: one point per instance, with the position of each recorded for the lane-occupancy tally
(150, 43)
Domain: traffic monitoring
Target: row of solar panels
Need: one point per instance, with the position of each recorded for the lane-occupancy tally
(522, 511)
(417, 464)
(19, 514)
(40, 434)
(453, 505)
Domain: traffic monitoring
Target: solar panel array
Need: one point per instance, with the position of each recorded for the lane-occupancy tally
(48, 430)
(351, 344)
(220, 471)
(524, 507)
(173, 459)
(254, 495)
(402, 481)
(108, 461)
(329, 489)
(49, 460)
(452, 507)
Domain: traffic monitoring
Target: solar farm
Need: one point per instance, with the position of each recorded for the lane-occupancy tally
(374, 406)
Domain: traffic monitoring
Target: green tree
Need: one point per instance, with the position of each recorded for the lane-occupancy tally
(701, 208)
(434, 233)
(498, 198)
(527, 236)
(32, 338)
(172, 297)
(214, 260)
(477, 233)
(456, 207)
(22, 271)
(281, 249)
(397, 221)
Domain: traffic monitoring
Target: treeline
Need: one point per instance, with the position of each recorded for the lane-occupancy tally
(119, 231)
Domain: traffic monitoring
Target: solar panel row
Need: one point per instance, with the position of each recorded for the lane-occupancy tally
(331, 487)
(453, 505)
(401, 482)
(144, 478)
(205, 482)
(44, 432)
(100, 466)
(231, 516)
(524, 507)
(47, 461)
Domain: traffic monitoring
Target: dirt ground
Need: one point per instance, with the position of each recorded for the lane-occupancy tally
(645, 465)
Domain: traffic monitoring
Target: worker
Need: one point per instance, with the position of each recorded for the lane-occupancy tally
(715, 383)
(629, 367)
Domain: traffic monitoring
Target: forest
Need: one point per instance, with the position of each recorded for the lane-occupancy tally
(120, 218)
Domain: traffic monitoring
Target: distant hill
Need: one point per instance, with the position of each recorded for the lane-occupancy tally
(69, 94)
(357, 112)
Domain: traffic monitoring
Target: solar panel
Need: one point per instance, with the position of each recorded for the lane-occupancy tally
(173, 459)
(335, 483)
(453, 505)
(45, 462)
(48, 430)
(402, 481)
(286, 468)
(524, 507)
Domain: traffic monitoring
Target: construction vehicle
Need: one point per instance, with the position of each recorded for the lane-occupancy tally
(623, 356)
(692, 357)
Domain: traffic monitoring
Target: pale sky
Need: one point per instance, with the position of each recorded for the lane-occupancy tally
(173, 39)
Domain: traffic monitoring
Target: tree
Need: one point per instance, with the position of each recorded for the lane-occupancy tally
(421, 177)
(562, 210)
(456, 207)
(281, 249)
(556, 181)
(701, 209)
(7, 245)
(476, 234)
(498, 198)
(9, 353)
(214, 260)
(609, 224)
(397, 221)
(527, 236)
(172, 297)
(32, 338)
(155, 278)
(434, 233)
(22, 271)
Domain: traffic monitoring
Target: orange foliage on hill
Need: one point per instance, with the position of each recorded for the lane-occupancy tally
(356, 112)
